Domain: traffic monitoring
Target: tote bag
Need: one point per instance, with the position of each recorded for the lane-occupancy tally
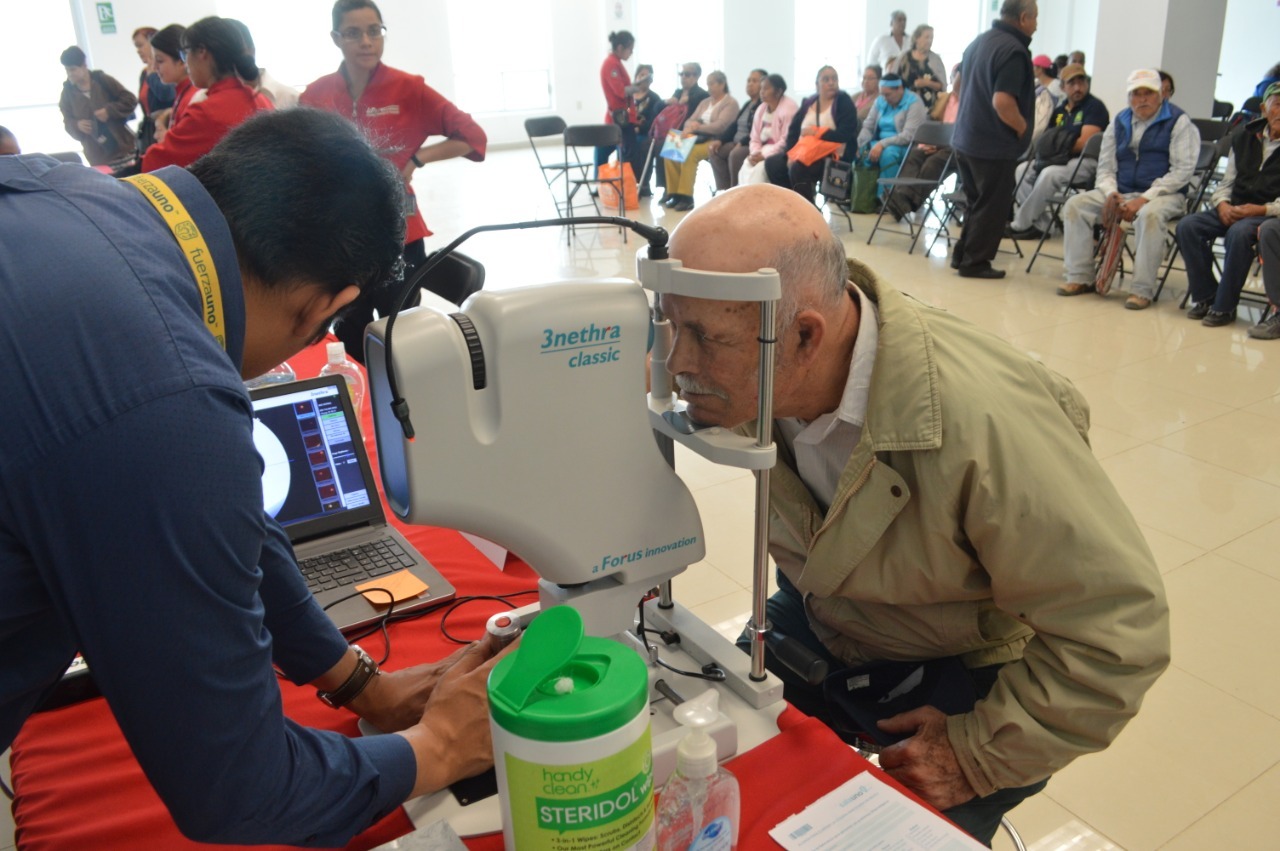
(609, 191)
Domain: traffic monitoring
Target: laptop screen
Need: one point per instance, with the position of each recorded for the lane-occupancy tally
(315, 475)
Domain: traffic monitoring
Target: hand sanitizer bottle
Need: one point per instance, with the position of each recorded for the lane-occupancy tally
(340, 364)
(698, 808)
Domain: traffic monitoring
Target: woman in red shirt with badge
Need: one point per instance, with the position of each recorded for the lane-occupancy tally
(616, 83)
(398, 111)
(217, 62)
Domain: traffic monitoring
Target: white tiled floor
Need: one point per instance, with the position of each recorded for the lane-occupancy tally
(1186, 423)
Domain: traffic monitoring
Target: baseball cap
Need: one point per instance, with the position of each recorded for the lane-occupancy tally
(1042, 61)
(1072, 71)
(1143, 78)
(1273, 89)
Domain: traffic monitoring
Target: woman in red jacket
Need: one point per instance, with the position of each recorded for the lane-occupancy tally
(399, 111)
(616, 83)
(166, 50)
(217, 62)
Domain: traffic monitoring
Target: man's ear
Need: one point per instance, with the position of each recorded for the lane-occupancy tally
(318, 305)
(810, 329)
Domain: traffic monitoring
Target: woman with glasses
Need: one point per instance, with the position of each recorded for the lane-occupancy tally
(217, 62)
(401, 112)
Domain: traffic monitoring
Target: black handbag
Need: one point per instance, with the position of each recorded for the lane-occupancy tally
(837, 181)
(1054, 147)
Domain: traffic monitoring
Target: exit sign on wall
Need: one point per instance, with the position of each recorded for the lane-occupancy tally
(106, 18)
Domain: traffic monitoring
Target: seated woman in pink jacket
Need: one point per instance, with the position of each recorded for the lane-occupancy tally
(769, 129)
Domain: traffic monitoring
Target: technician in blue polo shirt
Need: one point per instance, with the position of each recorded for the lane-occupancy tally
(131, 518)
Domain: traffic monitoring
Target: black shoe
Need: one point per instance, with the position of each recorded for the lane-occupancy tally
(982, 272)
(1028, 234)
(667, 199)
(955, 260)
(1217, 318)
(1199, 309)
(684, 205)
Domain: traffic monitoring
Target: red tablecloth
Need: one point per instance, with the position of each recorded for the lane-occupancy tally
(79, 786)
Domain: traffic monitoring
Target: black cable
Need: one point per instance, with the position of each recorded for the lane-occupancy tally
(710, 672)
(656, 236)
(382, 621)
(459, 602)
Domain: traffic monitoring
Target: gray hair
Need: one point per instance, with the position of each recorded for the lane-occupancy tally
(813, 272)
(697, 69)
(719, 77)
(1015, 9)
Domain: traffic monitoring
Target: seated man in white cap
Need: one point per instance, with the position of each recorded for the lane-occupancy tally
(1148, 155)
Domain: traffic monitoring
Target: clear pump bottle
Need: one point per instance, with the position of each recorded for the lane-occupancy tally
(340, 364)
(699, 807)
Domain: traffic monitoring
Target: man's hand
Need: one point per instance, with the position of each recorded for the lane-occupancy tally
(394, 700)
(453, 740)
(85, 126)
(100, 114)
(925, 763)
(1129, 209)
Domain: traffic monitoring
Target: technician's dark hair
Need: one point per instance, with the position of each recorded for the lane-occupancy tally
(341, 8)
(72, 57)
(224, 43)
(622, 38)
(307, 200)
(777, 83)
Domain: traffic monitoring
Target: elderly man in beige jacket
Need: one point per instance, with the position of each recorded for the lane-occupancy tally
(935, 498)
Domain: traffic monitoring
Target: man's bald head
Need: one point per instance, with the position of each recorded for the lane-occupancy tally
(761, 225)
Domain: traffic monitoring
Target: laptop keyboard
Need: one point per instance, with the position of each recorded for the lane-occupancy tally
(356, 564)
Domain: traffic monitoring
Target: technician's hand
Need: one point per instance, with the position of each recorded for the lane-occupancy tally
(452, 740)
(925, 763)
(100, 114)
(85, 125)
(394, 700)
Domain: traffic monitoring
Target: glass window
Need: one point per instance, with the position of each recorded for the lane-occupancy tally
(291, 39)
(31, 81)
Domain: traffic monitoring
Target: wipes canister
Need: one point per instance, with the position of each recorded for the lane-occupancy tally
(570, 720)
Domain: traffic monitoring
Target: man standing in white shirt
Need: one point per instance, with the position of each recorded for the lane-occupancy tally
(886, 48)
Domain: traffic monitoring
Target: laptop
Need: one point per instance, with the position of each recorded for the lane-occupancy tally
(317, 483)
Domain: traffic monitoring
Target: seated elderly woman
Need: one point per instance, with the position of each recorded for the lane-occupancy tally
(893, 120)
(830, 117)
(705, 122)
(768, 129)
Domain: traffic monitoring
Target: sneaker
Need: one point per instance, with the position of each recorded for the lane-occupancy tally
(1076, 289)
(1267, 329)
(1027, 235)
(1217, 318)
(1199, 309)
(1137, 302)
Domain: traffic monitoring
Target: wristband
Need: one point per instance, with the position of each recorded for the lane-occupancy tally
(414, 158)
(366, 669)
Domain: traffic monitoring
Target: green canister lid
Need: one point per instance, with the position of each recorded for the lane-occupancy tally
(562, 686)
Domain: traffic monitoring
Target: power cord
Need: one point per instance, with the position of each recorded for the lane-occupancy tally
(709, 672)
(461, 601)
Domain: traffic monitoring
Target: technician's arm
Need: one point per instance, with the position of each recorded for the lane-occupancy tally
(168, 613)
(1006, 107)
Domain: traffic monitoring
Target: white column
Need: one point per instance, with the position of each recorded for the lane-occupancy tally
(1182, 37)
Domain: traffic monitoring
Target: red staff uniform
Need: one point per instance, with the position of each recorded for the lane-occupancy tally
(398, 111)
(204, 123)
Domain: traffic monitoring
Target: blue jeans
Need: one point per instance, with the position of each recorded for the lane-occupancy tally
(980, 817)
(1196, 234)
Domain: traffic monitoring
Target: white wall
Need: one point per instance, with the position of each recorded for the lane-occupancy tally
(1250, 47)
(114, 52)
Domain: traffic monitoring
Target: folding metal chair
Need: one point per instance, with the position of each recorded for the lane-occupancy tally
(541, 128)
(1211, 129)
(1202, 179)
(938, 135)
(1074, 185)
(591, 136)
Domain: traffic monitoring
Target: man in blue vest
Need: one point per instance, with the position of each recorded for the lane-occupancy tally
(1247, 198)
(1148, 155)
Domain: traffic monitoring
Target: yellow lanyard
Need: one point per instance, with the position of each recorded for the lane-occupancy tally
(193, 246)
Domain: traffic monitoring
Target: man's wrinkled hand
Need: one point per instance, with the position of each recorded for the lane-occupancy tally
(925, 763)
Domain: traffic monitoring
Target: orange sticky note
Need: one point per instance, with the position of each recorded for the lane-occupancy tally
(402, 584)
